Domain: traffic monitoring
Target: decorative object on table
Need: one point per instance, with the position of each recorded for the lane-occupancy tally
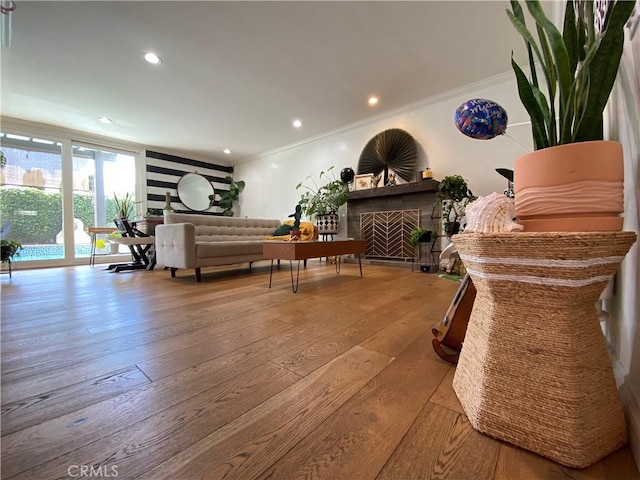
(295, 229)
(534, 369)
(347, 175)
(449, 335)
(167, 204)
(574, 179)
(322, 201)
(8, 251)
(392, 180)
(494, 213)
(454, 194)
(229, 197)
(124, 205)
(195, 191)
(363, 182)
(375, 180)
(113, 246)
(481, 119)
(391, 149)
(427, 174)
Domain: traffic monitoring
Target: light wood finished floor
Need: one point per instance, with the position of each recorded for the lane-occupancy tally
(139, 375)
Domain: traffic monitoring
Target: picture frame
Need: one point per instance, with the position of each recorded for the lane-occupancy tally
(363, 181)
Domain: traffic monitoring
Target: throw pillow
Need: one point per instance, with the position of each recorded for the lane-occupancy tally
(282, 230)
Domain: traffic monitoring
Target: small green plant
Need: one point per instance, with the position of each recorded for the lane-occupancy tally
(228, 198)
(124, 205)
(9, 250)
(325, 198)
(420, 234)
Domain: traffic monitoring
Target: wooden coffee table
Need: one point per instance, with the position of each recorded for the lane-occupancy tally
(282, 250)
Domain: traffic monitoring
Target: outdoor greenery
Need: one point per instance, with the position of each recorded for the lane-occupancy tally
(36, 216)
(322, 198)
(579, 67)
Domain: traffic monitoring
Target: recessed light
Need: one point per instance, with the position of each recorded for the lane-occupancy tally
(227, 151)
(41, 140)
(152, 58)
(105, 120)
(297, 123)
(373, 100)
(18, 137)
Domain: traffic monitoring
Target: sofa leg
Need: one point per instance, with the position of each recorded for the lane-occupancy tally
(198, 275)
(250, 263)
(173, 272)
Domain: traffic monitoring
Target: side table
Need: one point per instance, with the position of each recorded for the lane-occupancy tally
(93, 232)
(534, 369)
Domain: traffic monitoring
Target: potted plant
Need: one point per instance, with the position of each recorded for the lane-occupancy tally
(420, 235)
(579, 67)
(322, 200)
(9, 250)
(114, 247)
(124, 205)
(454, 195)
(228, 198)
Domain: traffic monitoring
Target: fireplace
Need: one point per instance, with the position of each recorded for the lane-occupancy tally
(385, 216)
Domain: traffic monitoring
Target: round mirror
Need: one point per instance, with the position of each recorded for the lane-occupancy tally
(194, 190)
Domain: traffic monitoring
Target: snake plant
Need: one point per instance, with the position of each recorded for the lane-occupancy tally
(579, 67)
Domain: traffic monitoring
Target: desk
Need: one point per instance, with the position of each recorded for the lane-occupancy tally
(534, 369)
(93, 232)
(283, 250)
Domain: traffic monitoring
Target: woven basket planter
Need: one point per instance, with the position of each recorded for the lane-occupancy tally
(534, 368)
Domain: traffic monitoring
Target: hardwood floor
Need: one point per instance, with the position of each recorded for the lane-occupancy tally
(137, 375)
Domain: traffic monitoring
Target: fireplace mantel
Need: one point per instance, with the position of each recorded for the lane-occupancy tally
(402, 189)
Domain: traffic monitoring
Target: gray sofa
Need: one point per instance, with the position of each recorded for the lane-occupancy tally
(196, 241)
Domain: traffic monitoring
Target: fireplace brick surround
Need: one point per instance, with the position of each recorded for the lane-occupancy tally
(408, 196)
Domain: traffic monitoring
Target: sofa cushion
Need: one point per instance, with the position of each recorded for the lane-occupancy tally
(283, 230)
(228, 248)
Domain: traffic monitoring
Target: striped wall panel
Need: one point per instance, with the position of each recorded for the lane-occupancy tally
(163, 172)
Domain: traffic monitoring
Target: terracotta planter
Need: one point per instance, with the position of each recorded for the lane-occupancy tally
(576, 187)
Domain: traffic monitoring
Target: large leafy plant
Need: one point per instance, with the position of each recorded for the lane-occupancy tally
(322, 198)
(579, 67)
(229, 197)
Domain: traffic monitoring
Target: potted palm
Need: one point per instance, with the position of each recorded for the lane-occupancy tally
(579, 67)
(322, 200)
(124, 205)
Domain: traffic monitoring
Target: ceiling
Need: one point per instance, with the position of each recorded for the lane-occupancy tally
(236, 74)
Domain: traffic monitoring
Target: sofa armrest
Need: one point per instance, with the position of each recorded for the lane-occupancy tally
(176, 245)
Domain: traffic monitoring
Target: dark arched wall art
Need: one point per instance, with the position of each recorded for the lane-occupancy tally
(392, 149)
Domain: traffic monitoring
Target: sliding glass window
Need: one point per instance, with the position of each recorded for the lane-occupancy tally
(49, 187)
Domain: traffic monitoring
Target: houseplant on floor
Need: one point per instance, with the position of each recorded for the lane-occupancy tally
(454, 195)
(573, 181)
(229, 197)
(323, 200)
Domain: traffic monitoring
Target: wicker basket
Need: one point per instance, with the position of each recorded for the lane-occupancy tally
(534, 368)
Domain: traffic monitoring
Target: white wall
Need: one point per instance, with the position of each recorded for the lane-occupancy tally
(272, 177)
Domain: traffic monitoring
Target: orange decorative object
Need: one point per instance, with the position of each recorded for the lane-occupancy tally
(575, 187)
